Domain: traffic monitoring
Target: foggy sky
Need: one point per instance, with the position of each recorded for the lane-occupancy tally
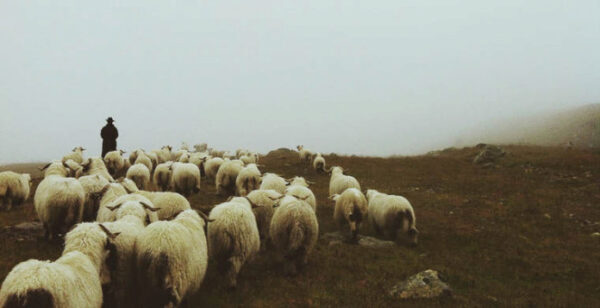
(361, 77)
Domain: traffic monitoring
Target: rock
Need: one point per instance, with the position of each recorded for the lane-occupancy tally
(547, 216)
(426, 284)
(337, 238)
(488, 155)
(596, 234)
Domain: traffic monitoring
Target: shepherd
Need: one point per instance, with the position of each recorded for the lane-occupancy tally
(109, 134)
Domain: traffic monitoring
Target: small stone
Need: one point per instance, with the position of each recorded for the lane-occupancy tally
(547, 216)
(596, 234)
(426, 284)
(337, 238)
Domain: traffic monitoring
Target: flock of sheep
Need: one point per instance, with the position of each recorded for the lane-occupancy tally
(132, 238)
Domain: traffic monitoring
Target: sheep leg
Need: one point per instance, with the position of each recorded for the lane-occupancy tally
(235, 264)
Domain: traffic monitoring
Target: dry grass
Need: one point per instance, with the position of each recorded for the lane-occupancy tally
(485, 230)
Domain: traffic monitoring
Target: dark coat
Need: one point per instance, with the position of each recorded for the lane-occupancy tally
(109, 134)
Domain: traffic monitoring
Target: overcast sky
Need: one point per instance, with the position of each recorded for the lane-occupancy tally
(363, 77)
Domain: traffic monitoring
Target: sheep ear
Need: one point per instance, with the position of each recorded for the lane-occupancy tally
(46, 166)
(83, 149)
(108, 233)
(306, 197)
(252, 204)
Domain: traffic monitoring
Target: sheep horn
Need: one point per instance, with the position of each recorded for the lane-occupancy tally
(206, 219)
(108, 233)
(114, 207)
(148, 207)
(310, 182)
(46, 166)
(278, 198)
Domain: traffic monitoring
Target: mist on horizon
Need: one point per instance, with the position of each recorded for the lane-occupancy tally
(353, 77)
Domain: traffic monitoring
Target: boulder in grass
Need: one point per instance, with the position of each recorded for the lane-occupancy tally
(426, 284)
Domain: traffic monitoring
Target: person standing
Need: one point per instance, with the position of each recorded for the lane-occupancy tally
(109, 134)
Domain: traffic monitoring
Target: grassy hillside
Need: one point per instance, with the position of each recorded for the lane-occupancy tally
(578, 126)
(517, 234)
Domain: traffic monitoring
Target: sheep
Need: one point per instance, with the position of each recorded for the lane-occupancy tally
(73, 280)
(58, 202)
(170, 203)
(76, 155)
(163, 155)
(172, 257)
(106, 212)
(299, 189)
(198, 159)
(14, 188)
(319, 163)
(217, 153)
(248, 180)
(56, 168)
(140, 174)
(162, 176)
(304, 154)
(265, 200)
(184, 158)
(233, 237)
(130, 221)
(202, 147)
(92, 186)
(274, 182)
(340, 182)
(227, 175)
(185, 179)
(114, 161)
(294, 231)
(176, 155)
(241, 152)
(350, 210)
(248, 159)
(142, 158)
(211, 167)
(389, 215)
(94, 166)
(153, 158)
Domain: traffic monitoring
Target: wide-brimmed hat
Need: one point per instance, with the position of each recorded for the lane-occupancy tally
(110, 120)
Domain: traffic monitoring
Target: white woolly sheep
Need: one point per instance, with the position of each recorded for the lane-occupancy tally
(76, 155)
(248, 159)
(294, 231)
(172, 257)
(107, 213)
(185, 179)
(319, 163)
(121, 291)
(73, 280)
(227, 175)
(211, 167)
(162, 176)
(202, 147)
(389, 215)
(340, 182)
(140, 174)
(164, 154)
(176, 155)
(92, 186)
(94, 166)
(248, 180)
(14, 188)
(58, 202)
(350, 210)
(115, 163)
(299, 189)
(56, 168)
(199, 159)
(142, 158)
(265, 201)
(304, 154)
(233, 236)
(274, 182)
(171, 203)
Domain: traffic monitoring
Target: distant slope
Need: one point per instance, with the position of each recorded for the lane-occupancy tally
(579, 126)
